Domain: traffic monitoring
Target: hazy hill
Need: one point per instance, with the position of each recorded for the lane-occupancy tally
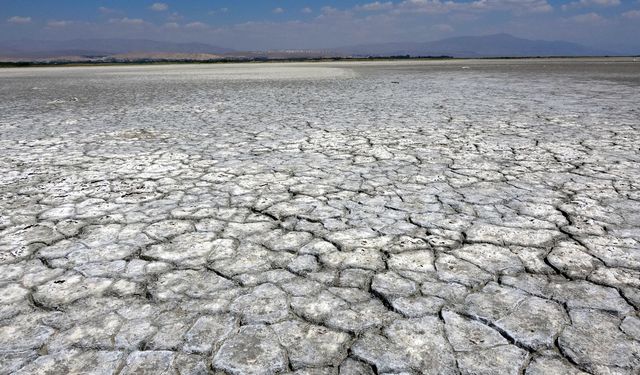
(101, 47)
(498, 45)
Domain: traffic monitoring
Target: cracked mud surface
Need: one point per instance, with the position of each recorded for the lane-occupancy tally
(320, 219)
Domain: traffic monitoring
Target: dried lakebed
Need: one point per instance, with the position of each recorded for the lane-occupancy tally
(345, 218)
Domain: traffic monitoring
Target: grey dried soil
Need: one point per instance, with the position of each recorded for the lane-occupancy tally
(318, 219)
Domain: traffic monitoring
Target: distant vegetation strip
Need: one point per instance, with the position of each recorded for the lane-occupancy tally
(211, 61)
(17, 64)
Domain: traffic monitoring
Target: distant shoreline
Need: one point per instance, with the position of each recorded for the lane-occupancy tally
(71, 63)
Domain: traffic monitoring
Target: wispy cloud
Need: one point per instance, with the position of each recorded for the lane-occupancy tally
(18, 20)
(128, 21)
(219, 11)
(277, 11)
(105, 10)
(307, 10)
(438, 6)
(59, 23)
(159, 7)
(171, 25)
(590, 3)
(375, 6)
(632, 15)
(196, 26)
(589, 18)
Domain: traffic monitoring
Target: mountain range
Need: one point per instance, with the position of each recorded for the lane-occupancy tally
(496, 45)
(101, 48)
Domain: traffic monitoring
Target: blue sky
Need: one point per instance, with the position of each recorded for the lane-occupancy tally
(299, 24)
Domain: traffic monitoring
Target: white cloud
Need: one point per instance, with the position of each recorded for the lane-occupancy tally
(589, 18)
(219, 11)
(159, 7)
(438, 6)
(277, 11)
(196, 26)
(332, 11)
(59, 23)
(17, 20)
(128, 21)
(307, 10)
(105, 10)
(175, 16)
(425, 6)
(375, 6)
(590, 3)
(329, 10)
(516, 6)
(171, 25)
(632, 15)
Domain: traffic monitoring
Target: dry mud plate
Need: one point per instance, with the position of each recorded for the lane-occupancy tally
(372, 218)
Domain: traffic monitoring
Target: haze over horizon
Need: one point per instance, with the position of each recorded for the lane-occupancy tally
(289, 24)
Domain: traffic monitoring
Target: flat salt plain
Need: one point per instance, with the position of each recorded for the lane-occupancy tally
(474, 217)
